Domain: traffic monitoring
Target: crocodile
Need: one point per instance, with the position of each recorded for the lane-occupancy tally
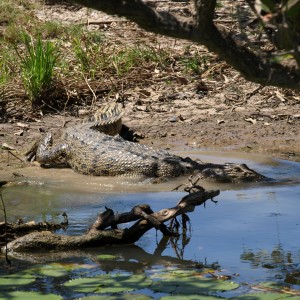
(107, 119)
(95, 148)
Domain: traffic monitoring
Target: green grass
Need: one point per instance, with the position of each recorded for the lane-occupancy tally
(7, 65)
(16, 16)
(87, 49)
(37, 66)
(195, 64)
(17, 13)
(51, 30)
(81, 54)
(84, 58)
(95, 55)
(4, 71)
(126, 59)
(8, 11)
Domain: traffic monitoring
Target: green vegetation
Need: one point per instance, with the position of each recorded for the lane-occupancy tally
(107, 257)
(172, 282)
(15, 15)
(81, 54)
(15, 280)
(18, 295)
(11, 11)
(4, 74)
(57, 269)
(37, 65)
(179, 281)
(196, 64)
(45, 61)
(126, 59)
(109, 283)
(118, 297)
(51, 30)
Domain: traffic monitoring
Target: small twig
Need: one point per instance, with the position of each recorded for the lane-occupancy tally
(16, 156)
(247, 97)
(66, 221)
(177, 187)
(192, 186)
(94, 95)
(67, 94)
(108, 22)
(47, 104)
(8, 262)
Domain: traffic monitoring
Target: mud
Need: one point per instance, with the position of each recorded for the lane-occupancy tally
(216, 110)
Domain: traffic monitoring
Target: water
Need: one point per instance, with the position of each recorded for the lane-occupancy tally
(251, 233)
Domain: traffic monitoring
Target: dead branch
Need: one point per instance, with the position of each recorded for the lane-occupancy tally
(5, 237)
(101, 235)
(10, 232)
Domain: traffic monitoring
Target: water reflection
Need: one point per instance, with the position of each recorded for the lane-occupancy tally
(126, 260)
(181, 240)
(129, 258)
(281, 264)
(252, 231)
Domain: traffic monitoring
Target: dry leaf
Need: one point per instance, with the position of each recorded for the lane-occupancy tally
(19, 132)
(22, 125)
(280, 96)
(253, 121)
(5, 146)
(220, 121)
(145, 92)
(226, 80)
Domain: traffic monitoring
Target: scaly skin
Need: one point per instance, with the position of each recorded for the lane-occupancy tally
(88, 151)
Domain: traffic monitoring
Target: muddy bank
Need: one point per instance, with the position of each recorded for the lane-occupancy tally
(172, 109)
(226, 131)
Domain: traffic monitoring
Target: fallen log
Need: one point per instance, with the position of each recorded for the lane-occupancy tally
(105, 230)
(10, 232)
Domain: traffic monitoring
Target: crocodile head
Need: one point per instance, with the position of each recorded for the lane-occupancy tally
(229, 172)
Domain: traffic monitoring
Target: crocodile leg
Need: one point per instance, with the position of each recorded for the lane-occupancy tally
(48, 154)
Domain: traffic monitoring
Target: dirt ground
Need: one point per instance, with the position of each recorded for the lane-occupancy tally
(217, 110)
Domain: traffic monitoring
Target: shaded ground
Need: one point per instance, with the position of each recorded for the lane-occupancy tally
(217, 109)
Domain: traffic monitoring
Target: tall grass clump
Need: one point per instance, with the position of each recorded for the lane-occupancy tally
(87, 48)
(7, 67)
(81, 54)
(51, 29)
(126, 59)
(37, 66)
(8, 11)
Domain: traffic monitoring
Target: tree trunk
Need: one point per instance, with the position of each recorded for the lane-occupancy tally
(254, 65)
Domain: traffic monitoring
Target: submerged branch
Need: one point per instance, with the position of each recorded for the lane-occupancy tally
(99, 236)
